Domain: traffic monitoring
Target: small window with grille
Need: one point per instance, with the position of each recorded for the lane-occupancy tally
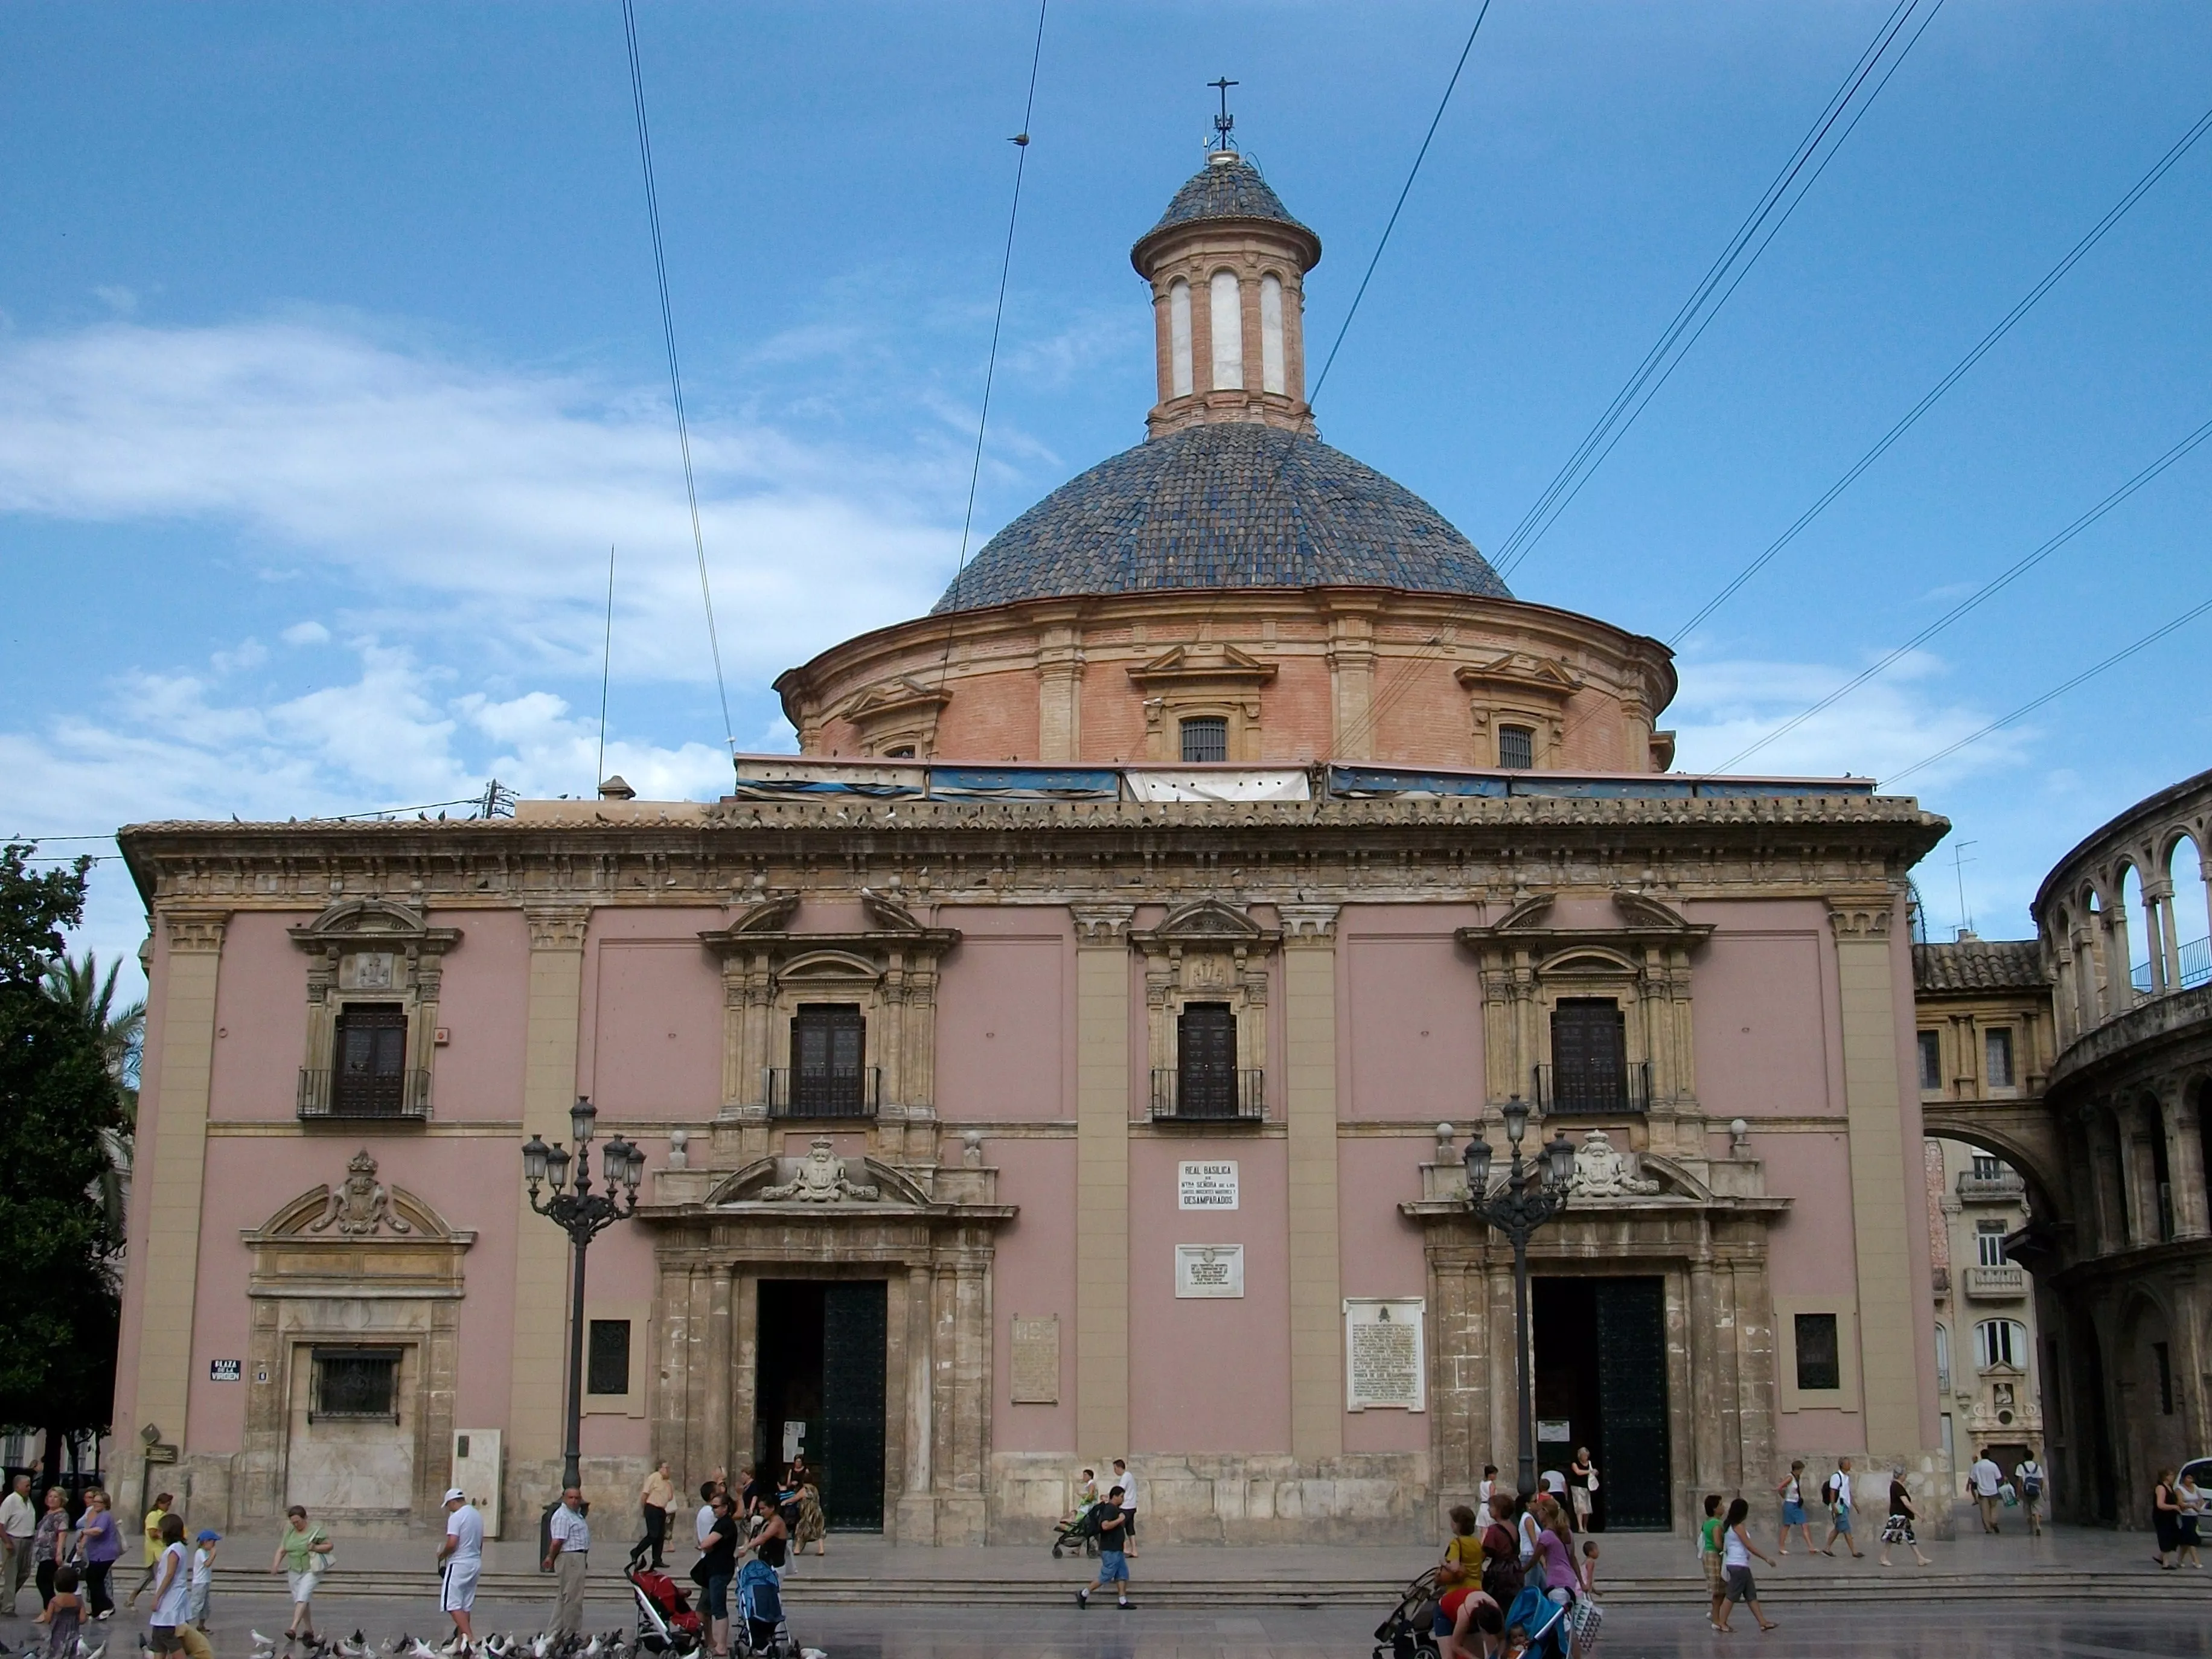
(828, 1043)
(1205, 737)
(1206, 1061)
(1820, 1352)
(370, 1079)
(606, 1366)
(1996, 1050)
(1517, 748)
(361, 1384)
(1931, 1062)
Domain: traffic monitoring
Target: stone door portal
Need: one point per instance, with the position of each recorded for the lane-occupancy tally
(1602, 1373)
(821, 1389)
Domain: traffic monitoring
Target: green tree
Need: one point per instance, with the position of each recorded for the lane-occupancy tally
(78, 986)
(60, 1112)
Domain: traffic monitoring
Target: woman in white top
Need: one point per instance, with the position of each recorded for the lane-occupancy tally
(2193, 1501)
(1736, 1551)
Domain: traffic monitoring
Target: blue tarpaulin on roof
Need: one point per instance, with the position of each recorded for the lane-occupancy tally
(1386, 783)
(1032, 782)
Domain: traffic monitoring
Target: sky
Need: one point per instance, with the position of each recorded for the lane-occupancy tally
(332, 369)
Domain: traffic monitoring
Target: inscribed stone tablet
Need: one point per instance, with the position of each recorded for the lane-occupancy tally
(1383, 1353)
(1209, 1270)
(1036, 1360)
(1207, 1186)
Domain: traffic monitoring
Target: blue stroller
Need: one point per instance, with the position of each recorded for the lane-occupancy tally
(760, 1628)
(1545, 1620)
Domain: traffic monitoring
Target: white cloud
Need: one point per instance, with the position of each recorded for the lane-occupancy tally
(117, 298)
(306, 633)
(496, 491)
(1884, 726)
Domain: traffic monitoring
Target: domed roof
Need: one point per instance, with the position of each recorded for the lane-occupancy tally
(1230, 189)
(1234, 504)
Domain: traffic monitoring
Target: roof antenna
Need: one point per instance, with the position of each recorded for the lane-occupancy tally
(1225, 123)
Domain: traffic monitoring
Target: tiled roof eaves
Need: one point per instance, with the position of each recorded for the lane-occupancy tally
(1979, 965)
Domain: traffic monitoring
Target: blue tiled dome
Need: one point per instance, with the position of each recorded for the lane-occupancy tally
(1235, 504)
(1234, 190)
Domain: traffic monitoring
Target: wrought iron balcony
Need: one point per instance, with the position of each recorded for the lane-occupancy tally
(823, 1094)
(1585, 1093)
(349, 1096)
(2006, 1188)
(1209, 1097)
(1996, 1284)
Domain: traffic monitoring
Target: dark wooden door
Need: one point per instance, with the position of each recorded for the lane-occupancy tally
(1631, 1389)
(1206, 1061)
(828, 1039)
(1589, 1055)
(851, 1446)
(372, 1061)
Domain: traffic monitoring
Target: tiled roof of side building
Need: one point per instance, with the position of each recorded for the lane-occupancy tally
(1235, 504)
(1231, 191)
(1979, 964)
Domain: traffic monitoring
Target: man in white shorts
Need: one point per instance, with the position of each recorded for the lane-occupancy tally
(461, 1559)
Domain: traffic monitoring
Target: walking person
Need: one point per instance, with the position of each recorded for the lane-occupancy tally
(50, 1547)
(460, 1564)
(1903, 1512)
(99, 1546)
(703, 1523)
(172, 1591)
(568, 1553)
(654, 1499)
(811, 1526)
(1126, 1484)
(300, 1554)
(1462, 1562)
(1840, 1499)
(1736, 1551)
(1112, 1551)
(718, 1566)
(196, 1603)
(1553, 1567)
(152, 1528)
(1582, 1486)
(1711, 1557)
(1791, 1491)
(2191, 1499)
(18, 1524)
(1984, 1478)
(1502, 1574)
(1489, 1487)
(2031, 1477)
(2166, 1518)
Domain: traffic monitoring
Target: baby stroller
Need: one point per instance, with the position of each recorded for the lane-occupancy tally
(759, 1627)
(1409, 1631)
(665, 1622)
(1081, 1530)
(1545, 1620)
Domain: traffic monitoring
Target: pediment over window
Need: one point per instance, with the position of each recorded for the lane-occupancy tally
(1640, 910)
(1206, 923)
(821, 1181)
(899, 698)
(373, 923)
(360, 1208)
(1642, 920)
(1197, 666)
(1522, 671)
(768, 916)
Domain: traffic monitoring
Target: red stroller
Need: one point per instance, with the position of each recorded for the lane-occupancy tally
(665, 1622)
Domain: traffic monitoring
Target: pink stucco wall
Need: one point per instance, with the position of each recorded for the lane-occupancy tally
(651, 1038)
(260, 1019)
(1411, 1006)
(1764, 1012)
(1208, 1375)
(483, 1005)
(1034, 1274)
(1006, 1006)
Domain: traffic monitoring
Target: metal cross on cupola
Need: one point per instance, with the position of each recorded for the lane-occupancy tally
(1225, 123)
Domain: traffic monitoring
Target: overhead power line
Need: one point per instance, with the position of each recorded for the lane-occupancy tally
(2052, 695)
(1988, 590)
(675, 375)
(1405, 190)
(1769, 215)
(1021, 143)
(2051, 279)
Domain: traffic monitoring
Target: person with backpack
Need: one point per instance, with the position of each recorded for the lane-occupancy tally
(1791, 1491)
(2031, 1478)
(1113, 1553)
(1836, 1494)
(1501, 1573)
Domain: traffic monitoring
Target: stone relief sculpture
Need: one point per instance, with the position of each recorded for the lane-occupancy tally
(819, 1179)
(359, 1206)
(1600, 1171)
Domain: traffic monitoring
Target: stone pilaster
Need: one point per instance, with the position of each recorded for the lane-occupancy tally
(1310, 1117)
(553, 1008)
(1101, 1179)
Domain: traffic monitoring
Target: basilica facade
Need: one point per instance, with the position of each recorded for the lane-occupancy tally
(1069, 1054)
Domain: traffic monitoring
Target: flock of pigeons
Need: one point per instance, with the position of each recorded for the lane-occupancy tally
(612, 1645)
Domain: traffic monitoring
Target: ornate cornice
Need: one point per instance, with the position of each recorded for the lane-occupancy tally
(1862, 915)
(1102, 924)
(1308, 924)
(557, 929)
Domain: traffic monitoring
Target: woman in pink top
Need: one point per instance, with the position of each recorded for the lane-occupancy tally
(1554, 1550)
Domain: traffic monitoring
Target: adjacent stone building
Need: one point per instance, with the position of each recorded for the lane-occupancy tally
(1067, 1055)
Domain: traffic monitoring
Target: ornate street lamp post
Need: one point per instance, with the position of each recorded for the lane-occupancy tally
(583, 1214)
(1533, 1191)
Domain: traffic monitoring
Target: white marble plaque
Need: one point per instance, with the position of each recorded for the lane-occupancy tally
(1384, 1357)
(1036, 1360)
(1207, 1186)
(1203, 1270)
